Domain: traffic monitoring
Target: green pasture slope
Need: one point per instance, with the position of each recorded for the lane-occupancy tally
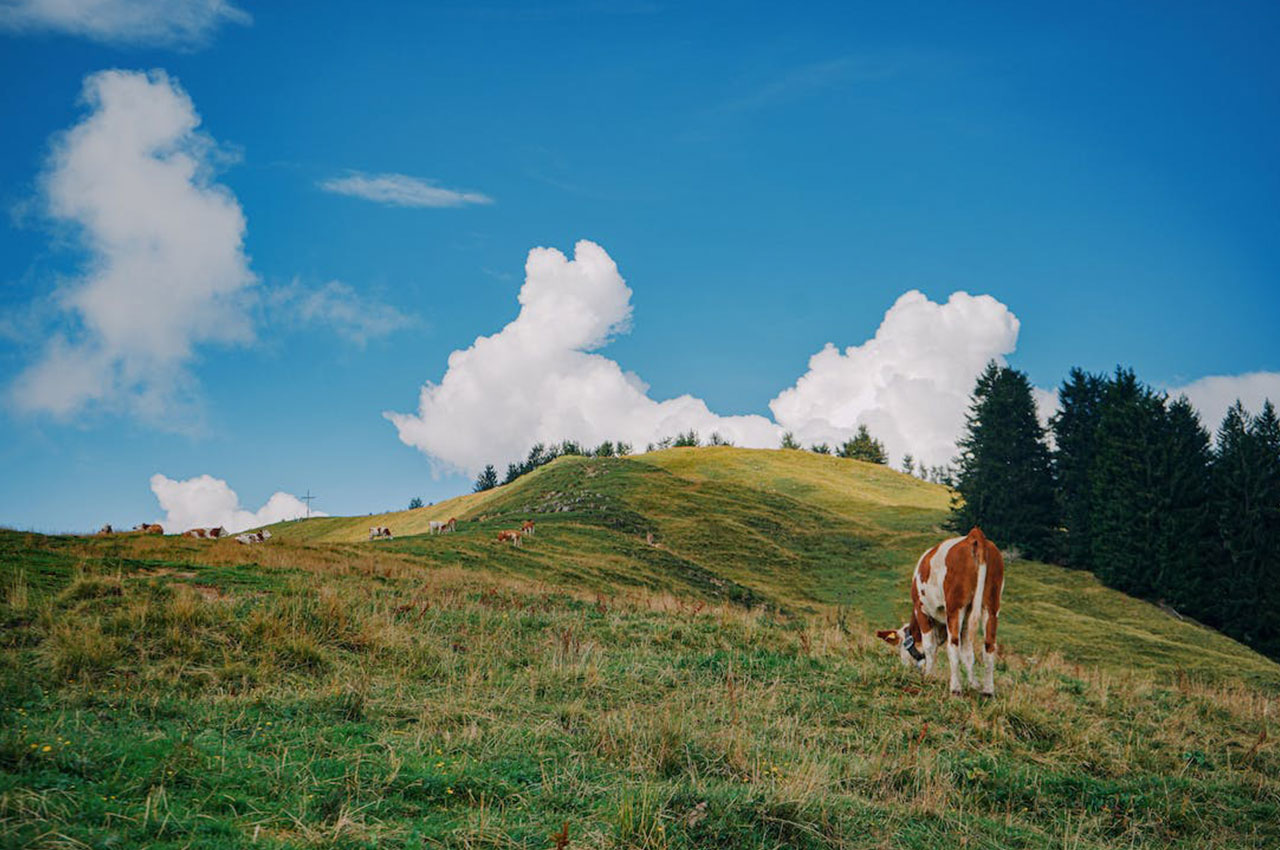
(681, 656)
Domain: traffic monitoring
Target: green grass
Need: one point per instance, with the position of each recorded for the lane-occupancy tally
(718, 687)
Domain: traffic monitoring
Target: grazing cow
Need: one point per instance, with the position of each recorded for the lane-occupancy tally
(955, 589)
(106, 530)
(379, 531)
(149, 528)
(511, 535)
(527, 528)
(205, 533)
(251, 537)
(441, 527)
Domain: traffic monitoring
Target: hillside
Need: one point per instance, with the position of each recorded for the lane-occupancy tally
(789, 528)
(720, 687)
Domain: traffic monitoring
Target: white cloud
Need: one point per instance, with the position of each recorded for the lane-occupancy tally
(207, 502)
(1213, 394)
(910, 384)
(336, 305)
(536, 380)
(401, 190)
(166, 268)
(162, 22)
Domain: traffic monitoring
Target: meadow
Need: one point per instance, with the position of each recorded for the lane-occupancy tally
(683, 655)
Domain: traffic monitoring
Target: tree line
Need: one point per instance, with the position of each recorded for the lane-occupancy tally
(1128, 484)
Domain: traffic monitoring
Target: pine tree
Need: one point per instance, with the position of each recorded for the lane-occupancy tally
(487, 480)
(789, 441)
(863, 446)
(1247, 486)
(1004, 481)
(1185, 570)
(1075, 431)
(415, 503)
(1125, 508)
(909, 464)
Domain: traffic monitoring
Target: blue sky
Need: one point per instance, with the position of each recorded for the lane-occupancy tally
(767, 181)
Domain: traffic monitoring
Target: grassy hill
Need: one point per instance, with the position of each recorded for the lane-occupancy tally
(717, 687)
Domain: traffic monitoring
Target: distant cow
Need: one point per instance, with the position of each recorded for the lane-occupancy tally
(378, 531)
(251, 537)
(206, 533)
(442, 527)
(149, 528)
(510, 535)
(106, 530)
(956, 588)
(527, 528)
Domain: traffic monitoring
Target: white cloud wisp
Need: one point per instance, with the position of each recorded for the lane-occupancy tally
(166, 269)
(1213, 394)
(401, 190)
(153, 22)
(208, 502)
(337, 306)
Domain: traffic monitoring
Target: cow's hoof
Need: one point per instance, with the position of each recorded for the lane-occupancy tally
(988, 693)
(957, 693)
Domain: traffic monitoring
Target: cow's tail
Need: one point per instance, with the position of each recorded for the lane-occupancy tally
(979, 600)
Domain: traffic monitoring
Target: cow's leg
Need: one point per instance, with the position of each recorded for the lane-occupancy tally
(966, 647)
(953, 651)
(928, 641)
(989, 619)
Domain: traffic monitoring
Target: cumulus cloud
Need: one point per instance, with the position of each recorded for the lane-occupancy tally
(337, 306)
(166, 269)
(538, 380)
(157, 22)
(909, 384)
(207, 502)
(401, 190)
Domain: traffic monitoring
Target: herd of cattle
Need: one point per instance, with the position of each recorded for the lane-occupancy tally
(955, 593)
(511, 535)
(247, 538)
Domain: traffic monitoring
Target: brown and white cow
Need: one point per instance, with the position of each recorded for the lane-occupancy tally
(955, 590)
(442, 527)
(251, 537)
(527, 528)
(149, 528)
(379, 531)
(509, 535)
(205, 533)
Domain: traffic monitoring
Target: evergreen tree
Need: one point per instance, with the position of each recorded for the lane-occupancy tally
(863, 446)
(689, 438)
(415, 503)
(487, 480)
(909, 464)
(1075, 431)
(1247, 486)
(1004, 481)
(789, 441)
(1185, 571)
(1125, 510)
(820, 449)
